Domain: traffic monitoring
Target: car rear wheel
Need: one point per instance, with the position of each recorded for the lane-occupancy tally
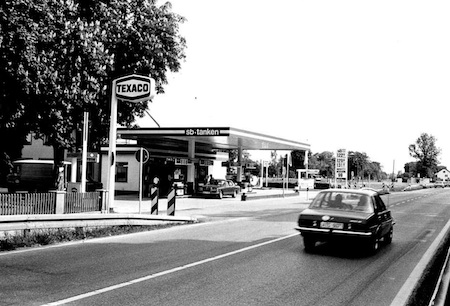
(388, 237)
(309, 243)
(374, 245)
(235, 193)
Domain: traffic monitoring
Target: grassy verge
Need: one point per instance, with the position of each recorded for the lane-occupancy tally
(41, 237)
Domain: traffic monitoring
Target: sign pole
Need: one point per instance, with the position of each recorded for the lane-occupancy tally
(84, 154)
(110, 184)
(141, 159)
(132, 88)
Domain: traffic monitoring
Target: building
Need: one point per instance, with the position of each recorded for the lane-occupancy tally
(443, 175)
(37, 148)
(183, 156)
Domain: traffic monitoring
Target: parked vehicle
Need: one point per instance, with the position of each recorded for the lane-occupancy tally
(219, 188)
(352, 215)
(321, 183)
(439, 184)
(34, 175)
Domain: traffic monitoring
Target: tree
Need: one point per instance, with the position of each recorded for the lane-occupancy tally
(59, 58)
(325, 163)
(374, 171)
(426, 152)
(358, 163)
(298, 159)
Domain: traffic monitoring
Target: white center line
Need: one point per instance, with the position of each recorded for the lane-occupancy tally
(151, 276)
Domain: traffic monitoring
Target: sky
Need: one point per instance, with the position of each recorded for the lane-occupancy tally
(366, 76)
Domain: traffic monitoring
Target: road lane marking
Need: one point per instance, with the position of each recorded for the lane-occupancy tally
(155, 275)
(411, 282)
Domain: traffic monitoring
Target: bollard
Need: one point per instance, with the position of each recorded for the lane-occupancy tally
(154, 200)
(243, 197)
(171, 202)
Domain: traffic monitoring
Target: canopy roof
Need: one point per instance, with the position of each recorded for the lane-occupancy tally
(221, 138)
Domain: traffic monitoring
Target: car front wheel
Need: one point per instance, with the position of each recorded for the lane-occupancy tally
(220, 194)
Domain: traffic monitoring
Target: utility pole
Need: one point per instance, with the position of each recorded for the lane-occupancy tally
(393, 170)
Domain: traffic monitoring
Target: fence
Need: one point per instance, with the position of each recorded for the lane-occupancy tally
(46, 203)
(27, 203)
(76, 202)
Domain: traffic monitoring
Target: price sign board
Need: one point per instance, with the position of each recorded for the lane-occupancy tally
(341, 163)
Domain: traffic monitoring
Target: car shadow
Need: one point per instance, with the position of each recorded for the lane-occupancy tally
(346, 250)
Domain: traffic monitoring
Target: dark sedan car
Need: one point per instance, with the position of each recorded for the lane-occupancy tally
(219, 188)
(354, 215)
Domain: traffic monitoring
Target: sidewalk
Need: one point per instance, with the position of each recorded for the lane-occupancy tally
(196, 207)
(127, 210)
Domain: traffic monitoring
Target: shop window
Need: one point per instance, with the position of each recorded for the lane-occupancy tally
(121, 172)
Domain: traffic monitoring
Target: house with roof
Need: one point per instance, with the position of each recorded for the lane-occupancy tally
(443, 175)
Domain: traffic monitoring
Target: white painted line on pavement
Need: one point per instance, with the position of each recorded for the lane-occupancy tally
(151, 276)
(403, 295)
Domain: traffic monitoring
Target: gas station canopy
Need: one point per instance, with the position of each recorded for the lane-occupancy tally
(222, 138)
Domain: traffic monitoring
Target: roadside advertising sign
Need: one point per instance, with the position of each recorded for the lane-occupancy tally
(135, 88)
(132, 88)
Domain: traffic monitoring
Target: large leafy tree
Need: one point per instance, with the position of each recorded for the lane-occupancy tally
(427, 153)
(357, 163)
(58, 59)
(325, 163)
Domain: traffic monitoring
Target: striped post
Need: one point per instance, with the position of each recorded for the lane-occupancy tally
(154, 200)
(171, 202)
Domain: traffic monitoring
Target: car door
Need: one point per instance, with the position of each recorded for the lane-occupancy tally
(383, 215)
(228, 188)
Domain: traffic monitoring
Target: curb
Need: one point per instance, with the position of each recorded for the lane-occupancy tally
(271, 196)
(412, 283)
(32, 222)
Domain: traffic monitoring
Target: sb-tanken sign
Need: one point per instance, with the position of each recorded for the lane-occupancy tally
(135, 88)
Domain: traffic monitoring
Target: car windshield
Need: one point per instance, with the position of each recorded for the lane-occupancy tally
(216, 182)
(343, 201)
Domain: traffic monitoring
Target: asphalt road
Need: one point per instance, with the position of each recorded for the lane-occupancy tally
(250, 256)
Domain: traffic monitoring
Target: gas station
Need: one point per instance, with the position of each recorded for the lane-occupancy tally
(186, 155)
(178, 156)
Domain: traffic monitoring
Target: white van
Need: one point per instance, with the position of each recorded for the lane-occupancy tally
(34, 175)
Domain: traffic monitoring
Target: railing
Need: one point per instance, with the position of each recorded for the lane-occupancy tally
(50, 203)
(27, 203)
(76, 202)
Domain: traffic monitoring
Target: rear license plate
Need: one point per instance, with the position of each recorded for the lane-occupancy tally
(332, 225)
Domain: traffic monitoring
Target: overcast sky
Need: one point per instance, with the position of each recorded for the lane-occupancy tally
(367, 76)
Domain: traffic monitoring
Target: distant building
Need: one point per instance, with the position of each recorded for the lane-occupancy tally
(443, 175)
(39, 149)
